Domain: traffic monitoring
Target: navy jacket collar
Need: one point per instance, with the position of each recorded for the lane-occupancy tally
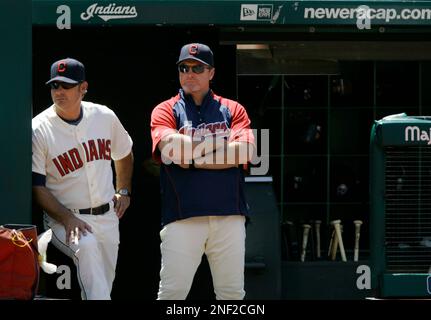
(188, 98)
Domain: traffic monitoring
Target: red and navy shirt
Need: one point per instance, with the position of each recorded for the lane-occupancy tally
(189, 193)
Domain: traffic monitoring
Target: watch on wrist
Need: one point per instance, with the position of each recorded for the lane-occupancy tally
(123, 192)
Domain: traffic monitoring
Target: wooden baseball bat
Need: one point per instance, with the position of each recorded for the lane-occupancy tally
(317, 227)
(340, 241)
(305, 240)
(357, 236)
(337, 227)
(334, 246)
(331, 242)
(336, 243)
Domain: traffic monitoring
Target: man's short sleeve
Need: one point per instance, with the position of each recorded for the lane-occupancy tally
(121, 141)
(39, 151)
(162, 124)
(240, 126)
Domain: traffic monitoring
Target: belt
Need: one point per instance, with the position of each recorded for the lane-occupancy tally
(96, 211)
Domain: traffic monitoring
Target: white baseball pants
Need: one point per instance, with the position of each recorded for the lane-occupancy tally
(183, 242)
(96, 254)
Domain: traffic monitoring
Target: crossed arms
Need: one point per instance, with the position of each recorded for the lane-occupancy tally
(211, 152)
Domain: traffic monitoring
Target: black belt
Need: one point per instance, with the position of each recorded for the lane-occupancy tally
(96, 211)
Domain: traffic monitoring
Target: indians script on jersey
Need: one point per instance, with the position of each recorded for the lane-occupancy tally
(95, 149)
(204, 129)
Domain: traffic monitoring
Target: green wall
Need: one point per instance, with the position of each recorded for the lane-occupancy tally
(15, 111)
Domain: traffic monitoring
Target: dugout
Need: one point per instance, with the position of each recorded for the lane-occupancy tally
(309, 71)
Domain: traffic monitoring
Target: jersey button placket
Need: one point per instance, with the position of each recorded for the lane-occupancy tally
(90, 178)
(88, 166)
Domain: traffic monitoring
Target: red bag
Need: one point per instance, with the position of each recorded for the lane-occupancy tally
(19, 264)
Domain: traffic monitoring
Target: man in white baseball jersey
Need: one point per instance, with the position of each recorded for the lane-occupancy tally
(73, 144)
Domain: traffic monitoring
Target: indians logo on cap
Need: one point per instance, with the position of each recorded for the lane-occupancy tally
(194, 49)
(61, 66)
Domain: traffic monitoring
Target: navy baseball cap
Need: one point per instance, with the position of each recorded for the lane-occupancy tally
(197, 51)
(67, 70)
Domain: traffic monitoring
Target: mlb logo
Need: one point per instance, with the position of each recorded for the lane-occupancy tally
(249, 12)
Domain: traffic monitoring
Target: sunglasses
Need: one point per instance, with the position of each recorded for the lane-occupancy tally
(199, 68)
(64, 85)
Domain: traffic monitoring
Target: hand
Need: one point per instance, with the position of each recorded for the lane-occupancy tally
(121, 203)
(74, 228)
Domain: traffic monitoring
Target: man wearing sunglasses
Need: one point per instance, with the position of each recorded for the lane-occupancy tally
(203, 204)
(73, 144)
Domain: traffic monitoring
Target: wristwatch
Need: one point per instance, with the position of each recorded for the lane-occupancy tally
(123, 192)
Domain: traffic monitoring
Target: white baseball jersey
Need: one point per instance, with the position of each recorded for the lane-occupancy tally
(76, 159)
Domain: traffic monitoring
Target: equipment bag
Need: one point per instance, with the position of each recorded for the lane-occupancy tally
(19, 265)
